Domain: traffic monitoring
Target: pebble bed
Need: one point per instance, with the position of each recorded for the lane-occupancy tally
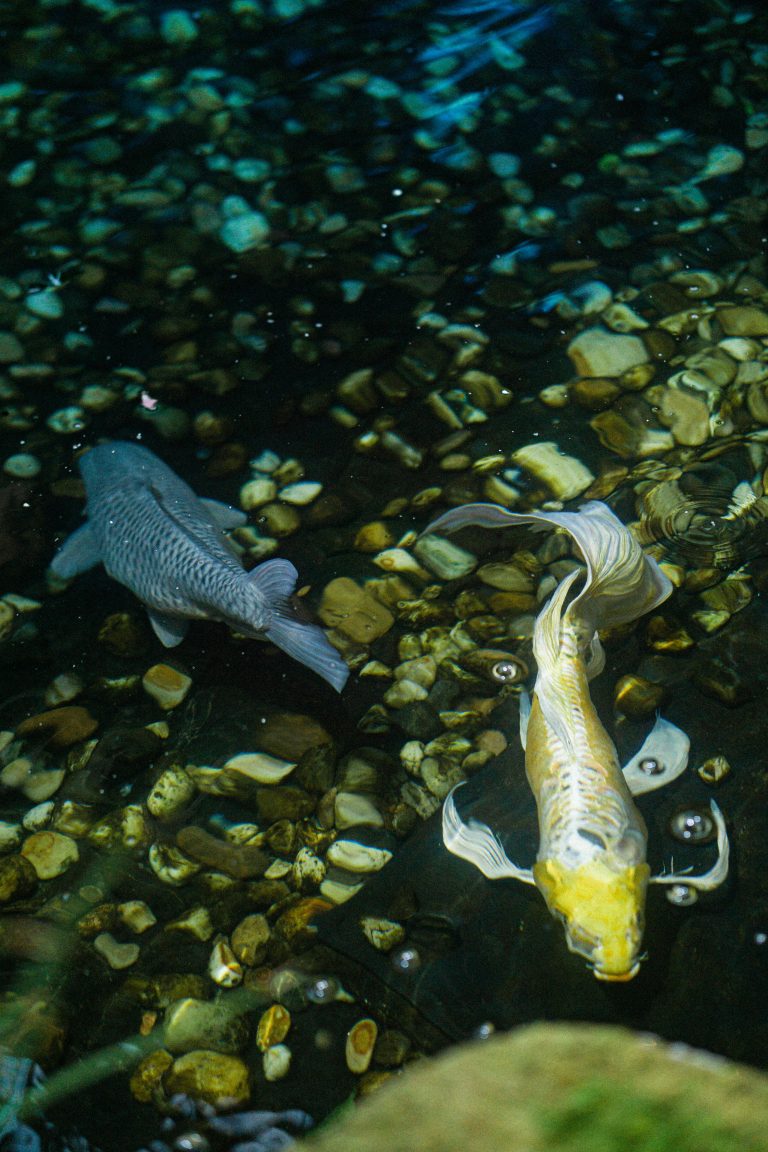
(344, 271)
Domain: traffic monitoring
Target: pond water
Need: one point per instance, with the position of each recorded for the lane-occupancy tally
(344, 267)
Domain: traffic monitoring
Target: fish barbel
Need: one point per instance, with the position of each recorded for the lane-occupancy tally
(155, 536)
(591, 862)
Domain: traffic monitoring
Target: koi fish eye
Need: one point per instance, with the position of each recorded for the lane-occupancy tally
(507, 671)
(650, 766)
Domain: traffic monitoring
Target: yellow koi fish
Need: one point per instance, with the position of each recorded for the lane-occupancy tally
(591, 864)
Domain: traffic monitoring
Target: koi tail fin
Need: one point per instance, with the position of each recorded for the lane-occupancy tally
(305, 642)
(622, 582)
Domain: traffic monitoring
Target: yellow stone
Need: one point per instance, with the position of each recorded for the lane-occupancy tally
(166, 685)
(273, 1027)
(211, 1076)
(50, 853)
(146, 1079)
(353, 611)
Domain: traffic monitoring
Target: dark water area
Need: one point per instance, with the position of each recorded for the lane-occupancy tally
(344, 267)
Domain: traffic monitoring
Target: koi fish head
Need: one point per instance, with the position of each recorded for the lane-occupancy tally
(602, 910)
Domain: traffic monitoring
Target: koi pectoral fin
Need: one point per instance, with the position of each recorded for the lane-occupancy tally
(476, 843)
(661, 759)
(719, 870)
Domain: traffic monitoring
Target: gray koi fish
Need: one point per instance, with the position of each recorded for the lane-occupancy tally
(155, 536)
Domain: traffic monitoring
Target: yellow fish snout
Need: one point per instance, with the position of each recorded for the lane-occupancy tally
(602, 911)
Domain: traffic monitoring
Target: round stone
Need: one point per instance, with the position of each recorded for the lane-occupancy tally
(245, 232)
(22, 466)
(50, 853)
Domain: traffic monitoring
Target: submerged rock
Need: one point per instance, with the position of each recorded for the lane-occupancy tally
(561, 1088)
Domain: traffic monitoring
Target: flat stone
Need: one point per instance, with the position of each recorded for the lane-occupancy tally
(353, 611)
(259, 766)
(190, 1023)
(217, 1078)
(117, 955)
(166, 685)
(598, 352)
(446, 559)
(743, 320)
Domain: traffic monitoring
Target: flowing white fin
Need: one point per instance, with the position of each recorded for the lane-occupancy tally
(662, 757)
(719, 870)
(78, 553)
(475, 843)
(622, 582)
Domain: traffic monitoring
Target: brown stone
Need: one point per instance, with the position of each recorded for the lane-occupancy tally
(353, 611)
(64, 726)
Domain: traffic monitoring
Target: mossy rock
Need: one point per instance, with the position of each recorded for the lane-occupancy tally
(561, 1088)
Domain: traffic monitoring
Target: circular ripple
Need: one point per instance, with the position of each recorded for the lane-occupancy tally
(708, 517)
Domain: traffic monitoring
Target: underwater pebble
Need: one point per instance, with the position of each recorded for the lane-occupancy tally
(565, 476)
(117, 955)
(714, 770)
(171, 865)
(223, 966)
(636, 697)
(17, 878)
(250, 937)
(308, 869)
(358, 1049)
(67, 421)
(273, 1027)
(400, 560)
(743, 320)
(50, 853)
(47, 304)
(338, 890)
(136, 915)
(259, 766)
(11, 836)
(404, 692)
(42, 784)
(196, 922)
(190, 1023)
(353, 611)
(171, 793)
(11, 348)
(257, 492)
(244, 232)
(598, 352)
(63, 726)
(303, 492)
(276, 1062)
(22, 466)
(447, 560)
(38, 817)
(356, 857)
(62, 689)
(166, 685)
(381, 933)
(353, 808)
(241, 861)
(211, 1076)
